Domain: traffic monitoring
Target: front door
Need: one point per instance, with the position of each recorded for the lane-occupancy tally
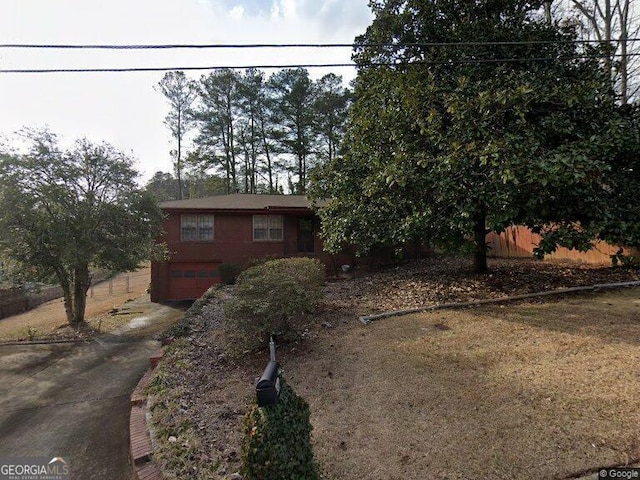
(305, 235)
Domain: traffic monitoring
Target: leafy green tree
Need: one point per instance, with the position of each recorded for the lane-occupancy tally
(445, 144)
(196, 184)
(257, 95)
(254, 130)
(618, 223)
(163, 186)
(251, 98)
(64, 212)
(201, 184)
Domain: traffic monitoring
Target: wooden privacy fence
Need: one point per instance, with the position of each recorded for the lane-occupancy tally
(520, 242)
(18, 300)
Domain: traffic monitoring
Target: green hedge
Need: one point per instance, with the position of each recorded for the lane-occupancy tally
(274, 298)
(276, 441)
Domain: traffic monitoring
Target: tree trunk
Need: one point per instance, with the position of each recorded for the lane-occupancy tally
(179, 155)
(63, 281)
(623, 13)
(480, 241)
(227, 158)
(247, 170)
(610, 60)
(254, 157)
(547, 11)
(68, 302)
(81, 281)
(300, 146)
(231, 140)
(605, 18)
(265, 143)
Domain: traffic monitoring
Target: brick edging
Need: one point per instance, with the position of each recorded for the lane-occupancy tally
(140, 447)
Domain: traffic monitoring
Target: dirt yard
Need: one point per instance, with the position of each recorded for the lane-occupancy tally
(536, 390)
(49, 319)
(541, 389)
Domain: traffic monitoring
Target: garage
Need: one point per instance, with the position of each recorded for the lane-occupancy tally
(188, 281)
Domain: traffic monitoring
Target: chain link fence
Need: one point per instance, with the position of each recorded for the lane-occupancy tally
(21, 299)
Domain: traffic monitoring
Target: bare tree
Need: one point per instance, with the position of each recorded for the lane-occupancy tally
(615, 23)
(181, 92)
(547, 11)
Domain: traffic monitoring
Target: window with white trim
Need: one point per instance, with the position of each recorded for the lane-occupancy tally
(196, 228)
(268, 228)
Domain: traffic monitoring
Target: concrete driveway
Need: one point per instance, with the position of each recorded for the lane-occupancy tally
(72, 401)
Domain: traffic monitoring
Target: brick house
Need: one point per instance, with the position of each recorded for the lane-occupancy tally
(204, 233)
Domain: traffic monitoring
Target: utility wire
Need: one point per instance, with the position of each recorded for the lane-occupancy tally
(288, 45)
(176, 46)
(165, 69)
(291, 45)
(314, 65)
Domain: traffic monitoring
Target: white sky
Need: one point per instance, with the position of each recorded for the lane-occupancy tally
(123, 108)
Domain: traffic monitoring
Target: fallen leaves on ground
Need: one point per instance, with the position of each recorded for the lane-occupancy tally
(450, 279)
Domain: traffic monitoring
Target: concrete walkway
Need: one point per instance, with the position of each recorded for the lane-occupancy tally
(72, 401)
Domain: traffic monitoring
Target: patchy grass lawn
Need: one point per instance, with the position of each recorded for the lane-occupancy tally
(521, 391)
(106, 310)
(542, 390)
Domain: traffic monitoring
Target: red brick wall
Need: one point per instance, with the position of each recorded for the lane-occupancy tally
(232, 243)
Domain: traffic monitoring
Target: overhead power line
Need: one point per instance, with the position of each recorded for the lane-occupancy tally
(166, 69)
(290, 45)
(312, 65)
(174, 46)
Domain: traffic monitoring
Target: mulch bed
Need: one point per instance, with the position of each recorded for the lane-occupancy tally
(450, 279)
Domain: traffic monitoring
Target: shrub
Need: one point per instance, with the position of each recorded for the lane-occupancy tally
(274, 298)
(228, 273)
(253, 262)
(621, 259)
(276, 441)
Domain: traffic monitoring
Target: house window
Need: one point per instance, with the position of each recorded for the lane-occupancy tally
(268, 227)
(196, 228)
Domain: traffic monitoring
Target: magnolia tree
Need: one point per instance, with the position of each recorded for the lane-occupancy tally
(470, 117)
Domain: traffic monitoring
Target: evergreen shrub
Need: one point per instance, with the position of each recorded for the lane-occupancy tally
(276, 441)
(274, 298)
